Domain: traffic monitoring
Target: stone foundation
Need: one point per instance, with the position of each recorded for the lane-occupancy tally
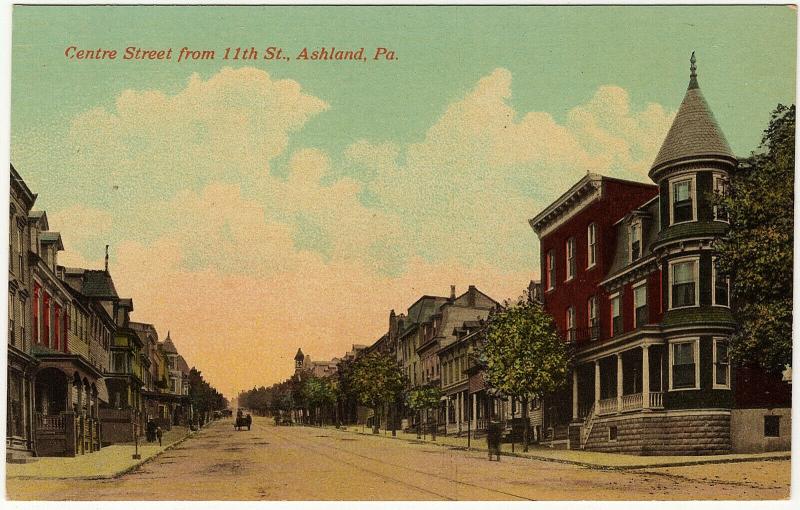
(663, 433)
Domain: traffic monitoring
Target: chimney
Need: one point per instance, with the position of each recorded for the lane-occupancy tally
(472, 294)
(452, 292)
(106, 258)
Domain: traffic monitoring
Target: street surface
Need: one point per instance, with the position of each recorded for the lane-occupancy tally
(302, 463)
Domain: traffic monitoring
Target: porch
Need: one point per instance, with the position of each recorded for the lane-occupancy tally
(630, 380)
(65, 419)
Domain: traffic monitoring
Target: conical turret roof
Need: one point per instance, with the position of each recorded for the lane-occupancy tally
(299, 356)
(168, 346)
(694, 131)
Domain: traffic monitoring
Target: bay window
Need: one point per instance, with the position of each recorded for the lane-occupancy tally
(721, 189)
(722, 366)
(721, 287)
(683, 283)
(684, 366)
(682, 200)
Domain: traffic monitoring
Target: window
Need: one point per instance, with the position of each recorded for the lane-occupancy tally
(722, 366)
(683, 285)
(11, 307)
(772, 426)
(571, 265)
(591, 313)
(722, 287)
(591, 241)
(612, 433)
(118, 363)
(720, 188)
(551, 269)
(20, 251)
(635, 241)
(684, 366)
(571, 324)
(682, 200)
(616, 315)
(641, 315)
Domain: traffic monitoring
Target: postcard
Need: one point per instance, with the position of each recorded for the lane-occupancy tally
(400, 253)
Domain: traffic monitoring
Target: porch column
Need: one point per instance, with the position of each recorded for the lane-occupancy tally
(645, 377)
(619, 382)
(596, 383)
(446, 414)
(575, 394)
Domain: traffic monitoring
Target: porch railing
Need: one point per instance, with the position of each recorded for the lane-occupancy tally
(631, 402)
(607, 406)
(656, 400)
(50, 423)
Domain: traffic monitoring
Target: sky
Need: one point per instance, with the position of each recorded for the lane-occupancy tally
(254, 207)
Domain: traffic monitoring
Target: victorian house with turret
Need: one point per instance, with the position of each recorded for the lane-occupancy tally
(629, 275)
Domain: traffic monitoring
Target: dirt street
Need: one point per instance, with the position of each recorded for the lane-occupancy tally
(299, 463)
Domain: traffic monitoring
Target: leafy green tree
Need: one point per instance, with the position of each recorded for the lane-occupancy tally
(319, 393)
(525, 357)
(425, 398)
(376, 379)
(757, 252)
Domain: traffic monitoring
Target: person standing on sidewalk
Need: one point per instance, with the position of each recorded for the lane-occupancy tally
(159, 435)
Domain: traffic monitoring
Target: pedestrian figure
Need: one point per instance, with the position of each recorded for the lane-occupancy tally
(248, 420)
(493, 437)
(159, 434)
(151, 430)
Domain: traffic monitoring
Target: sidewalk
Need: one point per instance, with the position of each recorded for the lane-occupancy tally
(109, 462)
(595, 460)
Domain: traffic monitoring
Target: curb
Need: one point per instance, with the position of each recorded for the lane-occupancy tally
(590, 465)
(111, 476)
(141, 462)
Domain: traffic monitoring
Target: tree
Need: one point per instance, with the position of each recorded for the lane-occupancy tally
(377, 379)
(424, 398)
(757, 252)
(524, 355)
(319, 393)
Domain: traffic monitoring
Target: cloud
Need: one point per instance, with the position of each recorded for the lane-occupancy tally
(244, 264)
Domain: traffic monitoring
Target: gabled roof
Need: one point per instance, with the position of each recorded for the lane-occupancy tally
(98, 283)
(19, 182)
(694, 132)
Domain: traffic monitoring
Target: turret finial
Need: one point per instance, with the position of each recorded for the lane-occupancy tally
(693, 73)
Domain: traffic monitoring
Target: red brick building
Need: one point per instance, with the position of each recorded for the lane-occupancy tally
(628, 274)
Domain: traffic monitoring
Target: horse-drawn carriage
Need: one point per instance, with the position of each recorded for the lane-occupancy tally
(243, 421)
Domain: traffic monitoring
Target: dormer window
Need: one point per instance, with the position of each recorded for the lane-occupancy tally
(682, 200)
(571, 263)
(635, 245)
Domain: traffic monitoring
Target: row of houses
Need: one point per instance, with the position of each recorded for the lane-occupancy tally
(81, 373)
(629, 276)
